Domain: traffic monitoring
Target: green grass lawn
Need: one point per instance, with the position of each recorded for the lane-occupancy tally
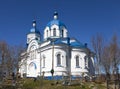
(47, 84)
(51, 84)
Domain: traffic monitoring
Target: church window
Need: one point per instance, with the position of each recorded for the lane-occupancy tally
(54, 32)
(32, 65)
(58, 59)
(32, 55)
(77, 61)
(66, 61)
(47, 33)
(43, 61)
(33, 52)
(62, 32)
(85, 61)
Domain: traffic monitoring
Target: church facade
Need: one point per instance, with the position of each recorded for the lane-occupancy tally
(56, 55)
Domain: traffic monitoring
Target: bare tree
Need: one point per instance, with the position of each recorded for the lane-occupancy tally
(9, 58)
(16, 55)
(106, 63)
(4, 52)
(98, 45)
(115, 57)
(111, 59)
(107, 57)
(106, 60)
(114, 53)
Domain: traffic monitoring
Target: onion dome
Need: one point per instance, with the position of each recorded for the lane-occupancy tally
(55, 21)
(34, 29)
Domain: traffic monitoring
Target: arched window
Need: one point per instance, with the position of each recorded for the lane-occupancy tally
(85, 61)
(32, 66)
(33, 52)
(43, 61)
(67, 61)
(58, 59)
(54, 32)
(62, 32)
(47, 33)
(77, 61)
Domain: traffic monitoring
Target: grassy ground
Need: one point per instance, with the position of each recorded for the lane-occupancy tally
(48, 84)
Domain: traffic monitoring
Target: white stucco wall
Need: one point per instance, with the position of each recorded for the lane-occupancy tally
(46, 51)
(75, 71)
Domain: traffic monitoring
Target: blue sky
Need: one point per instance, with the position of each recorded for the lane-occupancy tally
(83, 18)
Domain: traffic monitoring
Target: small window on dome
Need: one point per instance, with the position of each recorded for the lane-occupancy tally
(62, 32)
(47, 33)
(54, 32)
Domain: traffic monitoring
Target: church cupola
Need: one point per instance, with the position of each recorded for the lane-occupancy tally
(55, 28)
(34, 29)
(34, 33)
(34, 23)
(55, 15)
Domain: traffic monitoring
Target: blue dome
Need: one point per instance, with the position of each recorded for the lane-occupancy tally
(34, 30)
(56, 22)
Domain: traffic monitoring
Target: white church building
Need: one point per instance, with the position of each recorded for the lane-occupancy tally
(56, 55)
